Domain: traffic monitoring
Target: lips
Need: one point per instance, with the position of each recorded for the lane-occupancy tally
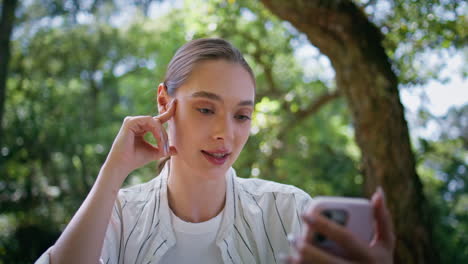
(217, 157)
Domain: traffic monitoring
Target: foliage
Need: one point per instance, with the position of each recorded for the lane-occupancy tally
(417, 31)
(76, 73)
(444, 170)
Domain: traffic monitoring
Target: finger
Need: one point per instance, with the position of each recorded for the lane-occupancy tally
(136, 124)
(140, 125)
(172, 151)
(160, 142)
(152, 151)
(160, 134)
(166, 140)
(307, 253)
(164, 117)
(383, 220)
(309, 232)
(340, 235)
(143, 124)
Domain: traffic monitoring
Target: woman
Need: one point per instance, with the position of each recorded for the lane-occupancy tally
(197, 210)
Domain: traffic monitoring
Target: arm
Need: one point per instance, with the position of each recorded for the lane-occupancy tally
(82, 239)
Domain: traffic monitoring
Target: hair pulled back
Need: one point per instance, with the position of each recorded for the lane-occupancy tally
(189, 55)
(198, 50)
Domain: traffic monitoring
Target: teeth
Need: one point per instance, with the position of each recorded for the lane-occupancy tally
(218, 155)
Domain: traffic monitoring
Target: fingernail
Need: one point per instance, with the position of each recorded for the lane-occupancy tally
(374, 196)
(164, 148)
(172, 102)
(174, 150)
(381, 191)
(292, 240)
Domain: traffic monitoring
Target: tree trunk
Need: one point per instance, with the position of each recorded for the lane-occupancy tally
(6, 27)
(364, 77)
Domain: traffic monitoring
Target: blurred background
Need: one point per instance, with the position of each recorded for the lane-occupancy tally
(77, 68)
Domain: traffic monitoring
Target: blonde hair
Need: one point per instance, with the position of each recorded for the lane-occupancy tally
(186, 58)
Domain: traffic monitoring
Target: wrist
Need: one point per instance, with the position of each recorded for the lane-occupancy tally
(111, 177)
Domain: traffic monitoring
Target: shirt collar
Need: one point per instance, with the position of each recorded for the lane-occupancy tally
(164, 210)
(224, 236)
(230, 208)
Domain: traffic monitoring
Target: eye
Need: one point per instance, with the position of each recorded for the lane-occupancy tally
(242, 117)
(205, 111)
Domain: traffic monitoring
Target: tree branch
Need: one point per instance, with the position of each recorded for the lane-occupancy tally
(313, 108)
(342, 31)
(320, 101)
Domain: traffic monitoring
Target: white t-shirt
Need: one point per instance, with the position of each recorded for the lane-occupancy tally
(195, 242)
(258, 215)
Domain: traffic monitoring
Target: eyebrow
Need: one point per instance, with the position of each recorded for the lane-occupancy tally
(216, 97)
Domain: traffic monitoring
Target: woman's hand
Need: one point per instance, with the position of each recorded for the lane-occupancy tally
(81, 241)
(380, 250)
(131, 151)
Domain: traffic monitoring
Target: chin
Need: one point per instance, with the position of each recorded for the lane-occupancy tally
(214, 172)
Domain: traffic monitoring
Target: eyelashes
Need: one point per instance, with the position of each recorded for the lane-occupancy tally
(243, 117)
(207, 111)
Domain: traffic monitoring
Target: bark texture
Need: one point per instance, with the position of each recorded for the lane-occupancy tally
(364, 77)
(6, 27)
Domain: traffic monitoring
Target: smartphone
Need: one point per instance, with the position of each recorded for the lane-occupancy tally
(353, 213)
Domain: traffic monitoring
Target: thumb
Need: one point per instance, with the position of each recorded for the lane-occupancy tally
(383, 220)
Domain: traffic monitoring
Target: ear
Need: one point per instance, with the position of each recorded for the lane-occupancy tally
(163, 98)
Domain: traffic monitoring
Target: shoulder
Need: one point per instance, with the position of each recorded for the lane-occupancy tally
(136, 201)
(140, 192)
(261, 189)
(276, 207)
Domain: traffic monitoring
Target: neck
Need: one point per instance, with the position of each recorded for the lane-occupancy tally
(192, 196)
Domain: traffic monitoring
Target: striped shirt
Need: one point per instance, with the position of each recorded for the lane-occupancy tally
(258, 216)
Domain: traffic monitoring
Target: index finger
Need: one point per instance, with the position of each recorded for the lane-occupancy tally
(385, 231)
(164, 117)
(339, 234)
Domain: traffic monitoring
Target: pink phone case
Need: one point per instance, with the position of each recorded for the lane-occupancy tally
(353, 213)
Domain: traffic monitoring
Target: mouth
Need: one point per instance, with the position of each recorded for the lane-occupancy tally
(216, 157)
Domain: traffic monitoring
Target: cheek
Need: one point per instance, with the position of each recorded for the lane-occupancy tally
(242, 135)
(187, 127)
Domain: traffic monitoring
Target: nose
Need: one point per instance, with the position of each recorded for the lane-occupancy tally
(223, 129)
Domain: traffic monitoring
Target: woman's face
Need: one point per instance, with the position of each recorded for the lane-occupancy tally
(213, 116)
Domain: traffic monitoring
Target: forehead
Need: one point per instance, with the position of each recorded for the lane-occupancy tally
(228, 80)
